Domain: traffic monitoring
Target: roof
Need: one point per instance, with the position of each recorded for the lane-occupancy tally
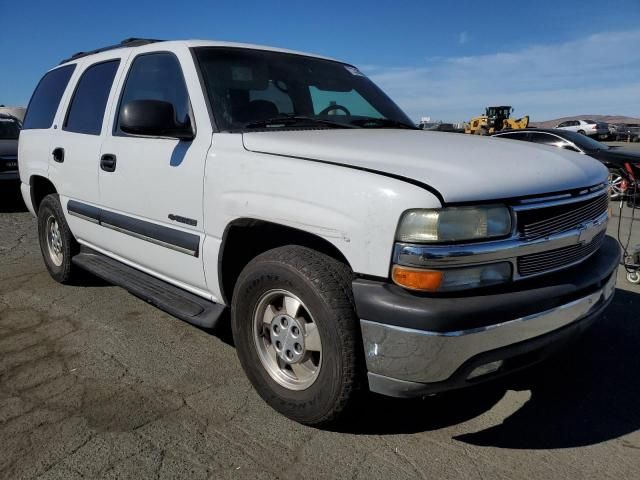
(126, 43)
(140, 42)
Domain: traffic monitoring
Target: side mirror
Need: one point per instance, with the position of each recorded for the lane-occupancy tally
(153, 118)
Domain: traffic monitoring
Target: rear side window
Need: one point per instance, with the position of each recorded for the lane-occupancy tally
(90, 98)
(156, 76)
(44, 101)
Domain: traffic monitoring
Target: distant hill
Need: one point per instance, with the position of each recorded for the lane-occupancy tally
(597, 118)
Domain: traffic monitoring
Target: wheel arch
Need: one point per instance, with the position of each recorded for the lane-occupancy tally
(246, 238)
(40, 187)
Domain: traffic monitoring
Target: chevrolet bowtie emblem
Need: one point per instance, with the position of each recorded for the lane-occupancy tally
(588, 231)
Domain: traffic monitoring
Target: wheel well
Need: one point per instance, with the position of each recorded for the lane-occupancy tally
(40, 188)
(245, 239)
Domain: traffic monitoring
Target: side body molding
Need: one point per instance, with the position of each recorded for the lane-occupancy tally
(178, 240)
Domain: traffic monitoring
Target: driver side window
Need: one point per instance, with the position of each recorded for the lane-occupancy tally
(156, 76)
(323, 100)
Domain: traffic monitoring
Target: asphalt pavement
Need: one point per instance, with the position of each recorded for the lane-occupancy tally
(95, 383)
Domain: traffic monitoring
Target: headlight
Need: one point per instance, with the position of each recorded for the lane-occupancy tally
(454, 224)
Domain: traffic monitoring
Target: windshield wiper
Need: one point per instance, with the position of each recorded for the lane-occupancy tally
(295, 120)
(382, 123)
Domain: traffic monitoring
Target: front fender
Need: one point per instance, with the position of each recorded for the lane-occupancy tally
(355, 211)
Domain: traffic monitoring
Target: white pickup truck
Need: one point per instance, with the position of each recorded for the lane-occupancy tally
(352, 250)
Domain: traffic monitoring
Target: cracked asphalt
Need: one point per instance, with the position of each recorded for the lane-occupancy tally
(95, 383)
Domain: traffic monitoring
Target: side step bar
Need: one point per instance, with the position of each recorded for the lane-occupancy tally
(173, 300)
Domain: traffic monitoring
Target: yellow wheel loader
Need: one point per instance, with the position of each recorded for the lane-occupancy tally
(494, 120)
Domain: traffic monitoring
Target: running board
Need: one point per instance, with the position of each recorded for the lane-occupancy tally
(171, 299)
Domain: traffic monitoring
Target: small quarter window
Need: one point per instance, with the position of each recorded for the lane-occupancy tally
(156, 76)
(46, 97)
(87, 107)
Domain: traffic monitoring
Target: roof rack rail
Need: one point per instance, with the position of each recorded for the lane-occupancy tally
(128, 42)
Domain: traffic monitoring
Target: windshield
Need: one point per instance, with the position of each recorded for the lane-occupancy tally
(583, 142)
(498, 111)
(246, 87)
(9, 129)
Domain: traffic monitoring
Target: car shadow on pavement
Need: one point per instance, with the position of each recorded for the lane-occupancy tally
(11, 199)
(587, 395)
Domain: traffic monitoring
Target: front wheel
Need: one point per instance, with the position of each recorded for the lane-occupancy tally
(633, 277)
(617, 185)
(297, 333)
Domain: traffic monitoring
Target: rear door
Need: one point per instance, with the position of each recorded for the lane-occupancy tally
(152, 190)
(77, 143)
(38, 126)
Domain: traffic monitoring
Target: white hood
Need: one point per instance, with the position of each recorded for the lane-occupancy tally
(461, 167)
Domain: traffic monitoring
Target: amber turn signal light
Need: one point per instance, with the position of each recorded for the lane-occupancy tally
(416, 279)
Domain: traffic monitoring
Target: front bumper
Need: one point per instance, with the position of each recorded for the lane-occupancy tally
(416, 345)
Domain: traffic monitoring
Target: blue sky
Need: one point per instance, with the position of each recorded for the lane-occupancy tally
(438, 58)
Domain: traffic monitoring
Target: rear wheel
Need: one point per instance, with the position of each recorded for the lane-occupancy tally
(57, 243)
(582, 132)
(633, 277)
(297, 334)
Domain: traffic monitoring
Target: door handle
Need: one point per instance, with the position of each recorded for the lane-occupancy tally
(58, 155)
(108, 162)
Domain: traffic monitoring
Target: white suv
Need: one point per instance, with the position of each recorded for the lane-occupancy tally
(352, 250)
(586, 127)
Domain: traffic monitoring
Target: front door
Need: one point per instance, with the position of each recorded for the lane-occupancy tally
(151, 188)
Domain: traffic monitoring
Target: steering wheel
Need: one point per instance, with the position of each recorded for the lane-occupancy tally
(331, 108)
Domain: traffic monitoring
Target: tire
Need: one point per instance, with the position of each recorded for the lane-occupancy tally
(483, 132)
(616, 180)
(57, 248)
(322, 285)
(633, 277)
(582, 132)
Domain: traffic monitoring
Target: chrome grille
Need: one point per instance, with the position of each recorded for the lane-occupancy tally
(559, 258)
(539, 223)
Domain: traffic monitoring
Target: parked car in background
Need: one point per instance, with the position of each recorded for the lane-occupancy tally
(9, 132)
(624, 166)
(627, 132)
(586, 127)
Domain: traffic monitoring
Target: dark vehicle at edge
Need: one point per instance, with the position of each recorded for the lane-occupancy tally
(624, 166)
(10, 128)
